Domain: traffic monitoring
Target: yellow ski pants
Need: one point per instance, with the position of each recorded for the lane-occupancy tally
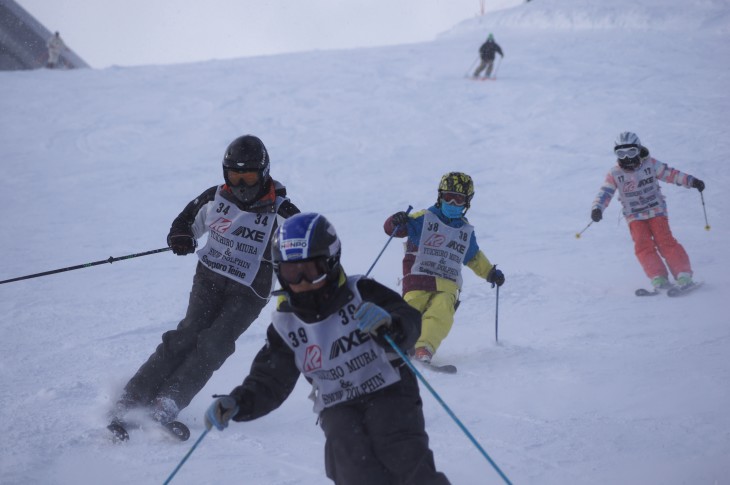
(437, 314)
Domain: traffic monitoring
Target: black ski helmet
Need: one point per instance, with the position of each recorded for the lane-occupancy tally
(247, 154)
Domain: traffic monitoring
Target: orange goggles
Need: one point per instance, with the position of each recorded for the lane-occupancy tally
(248, 178)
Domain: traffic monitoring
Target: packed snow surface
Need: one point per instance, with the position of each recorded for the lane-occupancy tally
(587, 383)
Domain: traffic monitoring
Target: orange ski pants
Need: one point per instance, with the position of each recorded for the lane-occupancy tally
(652, 238)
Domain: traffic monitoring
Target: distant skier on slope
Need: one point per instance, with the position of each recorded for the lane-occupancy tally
(440, 241)
(487, 53)
(232, 283)
(330, 328)
(636, 177)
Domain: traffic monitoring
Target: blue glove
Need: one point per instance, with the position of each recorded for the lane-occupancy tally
(495, 276)
(372, 318)
(220, 412)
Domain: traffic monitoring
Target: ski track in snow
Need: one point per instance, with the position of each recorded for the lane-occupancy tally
(587, 384)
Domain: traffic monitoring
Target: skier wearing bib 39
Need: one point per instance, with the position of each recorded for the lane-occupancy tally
(440, 241)
(330, 328)
(636, 176)
(232, 283)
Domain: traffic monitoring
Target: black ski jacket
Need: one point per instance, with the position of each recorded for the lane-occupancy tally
(274, 373)
(184, 221)
(489, 49)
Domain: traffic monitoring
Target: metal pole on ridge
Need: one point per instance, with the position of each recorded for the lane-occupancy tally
(448, 410)
(410, 208)
(86, 265)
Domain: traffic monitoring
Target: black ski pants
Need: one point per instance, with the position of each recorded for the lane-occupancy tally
(219, 311)
(380, 439)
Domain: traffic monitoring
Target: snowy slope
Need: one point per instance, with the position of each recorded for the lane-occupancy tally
(588, 384)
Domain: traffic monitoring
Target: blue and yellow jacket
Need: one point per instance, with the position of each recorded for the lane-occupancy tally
(474, 258)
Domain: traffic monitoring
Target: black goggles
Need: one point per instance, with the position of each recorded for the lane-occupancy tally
(311, 270)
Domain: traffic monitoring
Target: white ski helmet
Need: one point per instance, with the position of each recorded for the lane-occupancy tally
(627, 139)
(627, 148)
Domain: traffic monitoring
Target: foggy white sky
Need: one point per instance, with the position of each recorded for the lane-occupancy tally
(135, 32)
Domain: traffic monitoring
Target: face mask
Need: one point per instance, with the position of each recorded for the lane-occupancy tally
(452, 211)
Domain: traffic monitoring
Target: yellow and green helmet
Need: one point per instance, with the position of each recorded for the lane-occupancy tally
(457, 182)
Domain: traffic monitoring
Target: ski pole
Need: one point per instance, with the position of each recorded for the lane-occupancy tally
(496, 318)
(496, 310)
(86, 265)
(187, 455)
(497, 68)
(448, 410)
(410, 208)
(578, 234)
(468, 71)
(707, 226)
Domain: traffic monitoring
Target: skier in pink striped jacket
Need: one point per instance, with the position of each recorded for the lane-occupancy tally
(636, 177)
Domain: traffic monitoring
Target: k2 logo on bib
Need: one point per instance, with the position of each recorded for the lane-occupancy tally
(220, 225)
(435, 240)
(630, 186)
(312, 358)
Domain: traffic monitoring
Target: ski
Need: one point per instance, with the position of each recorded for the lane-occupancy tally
(120, 433)
(443, 369)
(683, 290)
(672, 291)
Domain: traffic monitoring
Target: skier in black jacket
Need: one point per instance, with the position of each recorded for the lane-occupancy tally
(487, 52)
(330, 328)
(232, 283)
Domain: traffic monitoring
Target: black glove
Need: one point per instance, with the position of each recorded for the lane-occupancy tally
(698, 184)
(399, 219)
(495, 276)
(182, 244)
(596, 215)
(220, 412)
